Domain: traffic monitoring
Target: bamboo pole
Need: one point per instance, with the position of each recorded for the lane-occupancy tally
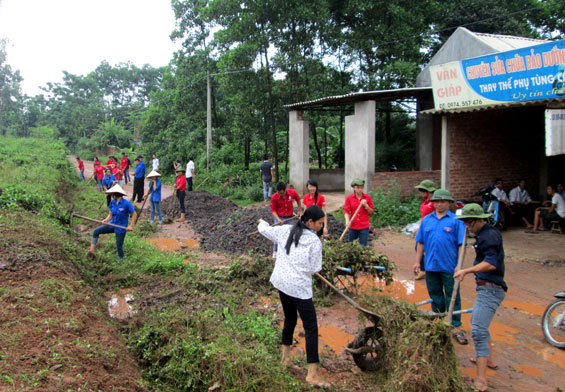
(457, 281)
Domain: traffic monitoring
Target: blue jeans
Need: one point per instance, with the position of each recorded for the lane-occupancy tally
(487, 302)
(99, 182)
(155, 206)
(120, 237)
(288, 222)
(362, 234)
(267, 195)
(126, 175)
(82, 175)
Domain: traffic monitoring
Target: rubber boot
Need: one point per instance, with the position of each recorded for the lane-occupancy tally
(181, 219)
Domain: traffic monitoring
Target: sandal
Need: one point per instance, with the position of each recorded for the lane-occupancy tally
(531, 231)
(460, 338)
(474, 361)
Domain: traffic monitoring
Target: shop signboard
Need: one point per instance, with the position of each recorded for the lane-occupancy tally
(526, 74)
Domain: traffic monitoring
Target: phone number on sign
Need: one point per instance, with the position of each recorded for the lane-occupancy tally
(461, 104)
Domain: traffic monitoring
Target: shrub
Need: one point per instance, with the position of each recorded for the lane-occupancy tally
(86, 155)
(391, 210)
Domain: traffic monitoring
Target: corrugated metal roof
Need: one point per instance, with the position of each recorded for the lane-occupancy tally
(503, 43)
(378, 95)
(551, 103)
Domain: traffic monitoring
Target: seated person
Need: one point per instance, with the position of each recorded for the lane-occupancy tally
(505, 208)
(555, 212)
(561, 190)
(522, 202)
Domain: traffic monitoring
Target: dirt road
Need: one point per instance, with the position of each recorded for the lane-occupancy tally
(526, 362)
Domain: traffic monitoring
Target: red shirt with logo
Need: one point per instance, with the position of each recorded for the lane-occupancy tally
(111, 163)
(118, 173)
(361, 221)
(124, 163)
(181, 183)
(283, 205)
(80, 165)
(426, 208)
(99, 171)
(309, 201)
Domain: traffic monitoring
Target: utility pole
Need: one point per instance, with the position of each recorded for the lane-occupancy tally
(208, 119)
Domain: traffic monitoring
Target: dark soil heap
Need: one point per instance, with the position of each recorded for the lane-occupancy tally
(223, 226)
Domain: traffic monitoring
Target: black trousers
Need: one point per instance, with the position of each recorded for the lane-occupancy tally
(305, 308)
(180, 196)
(138, 185)
(189, 184)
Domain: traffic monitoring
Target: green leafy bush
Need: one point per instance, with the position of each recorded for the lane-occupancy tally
(391, 209)
(14, 196)
(86, 155)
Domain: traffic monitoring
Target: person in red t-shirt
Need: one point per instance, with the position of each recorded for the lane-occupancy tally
(282, 206)
(99, 173)
(180, 188)
(81, 168)
(314, 198)
(118, 173)
(359, 228)
(111, 163)
(426, 189)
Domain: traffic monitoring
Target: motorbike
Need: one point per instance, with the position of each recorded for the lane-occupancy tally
(553, 321)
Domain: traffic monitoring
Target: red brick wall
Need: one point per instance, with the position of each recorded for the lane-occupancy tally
(407, 180)
(505, 143)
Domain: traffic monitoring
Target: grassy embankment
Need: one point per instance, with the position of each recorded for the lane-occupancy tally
(193, 329)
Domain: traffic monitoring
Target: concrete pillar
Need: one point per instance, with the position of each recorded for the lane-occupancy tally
(444, 153)
(299, 151)
(360, 145)
(424, 141)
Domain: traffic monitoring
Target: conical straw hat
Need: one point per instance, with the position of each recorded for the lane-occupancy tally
(117, 189)
(153, 174)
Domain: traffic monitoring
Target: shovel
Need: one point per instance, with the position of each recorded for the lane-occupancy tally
(350, 222)
(98, 221)
(275, 224)
(141, 209)
(457, 281)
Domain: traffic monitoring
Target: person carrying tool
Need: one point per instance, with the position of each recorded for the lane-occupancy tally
(180, 188)
(120, 209)
(292, 277)
(426, 189)
(313, 198)
(440, 236)
(138, 180)
(155, 198)
(282, 208)
(491, 288)
(361, 203)
(108, 182)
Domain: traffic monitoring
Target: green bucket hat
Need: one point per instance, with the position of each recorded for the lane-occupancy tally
(427, 185)
(442, 194)
(358, 181)
(473, 210)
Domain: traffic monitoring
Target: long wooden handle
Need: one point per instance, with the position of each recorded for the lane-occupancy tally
(141, 209)
(202, 183)
(98, 221)
(276, 224)
(457, 281)
(350, 222)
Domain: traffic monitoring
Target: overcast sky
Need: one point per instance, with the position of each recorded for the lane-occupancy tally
(47, 37)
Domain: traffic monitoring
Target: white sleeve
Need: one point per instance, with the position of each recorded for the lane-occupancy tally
(315, 259)
(271, 233)
(514, 195)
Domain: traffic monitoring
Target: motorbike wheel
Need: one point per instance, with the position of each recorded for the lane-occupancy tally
(553, 323)
(368, 339)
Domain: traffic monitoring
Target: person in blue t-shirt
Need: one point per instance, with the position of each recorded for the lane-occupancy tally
(439, 238)
(120, 209)
(138, 180)
(108, 182)
(155, 198)
(491, 288)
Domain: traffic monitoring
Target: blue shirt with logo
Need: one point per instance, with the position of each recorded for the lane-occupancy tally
(140, 170)
(155, 194)
(441, 239)
(108, 181)
(120, 213)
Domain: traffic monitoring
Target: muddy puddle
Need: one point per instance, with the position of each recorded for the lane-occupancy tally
(120, 304)
(172, 244)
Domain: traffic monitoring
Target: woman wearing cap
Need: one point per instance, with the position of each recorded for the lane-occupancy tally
(120, 209)
(426, 189)
(359, 228)
(155, 198)
(313, 198)
(491, 288)
(180, 188)
(292, 277)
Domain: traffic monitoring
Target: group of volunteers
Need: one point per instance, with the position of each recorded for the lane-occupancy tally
(438, 241)
(110, 182)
